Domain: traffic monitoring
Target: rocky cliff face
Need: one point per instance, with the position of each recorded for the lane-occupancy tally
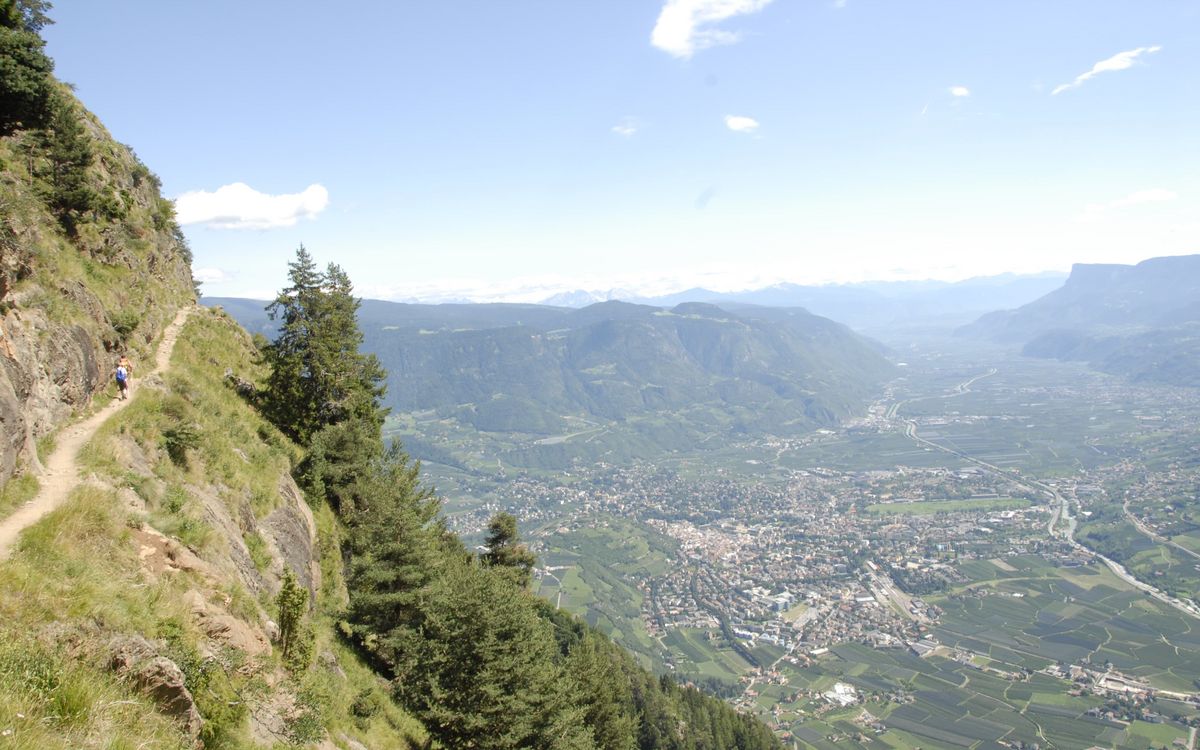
(1103, 299)
(72, 297)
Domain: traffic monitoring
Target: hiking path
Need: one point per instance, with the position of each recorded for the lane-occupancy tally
(61, 467)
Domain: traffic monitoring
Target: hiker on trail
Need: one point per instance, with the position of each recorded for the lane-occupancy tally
(123, 378)
(126, 364)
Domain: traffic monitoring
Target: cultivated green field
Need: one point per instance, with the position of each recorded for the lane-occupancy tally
(1071, 615)
(596, 567)
(930, 507)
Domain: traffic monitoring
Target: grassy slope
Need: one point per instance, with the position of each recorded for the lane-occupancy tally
(119, 280)
(77, 579)
(130, 264)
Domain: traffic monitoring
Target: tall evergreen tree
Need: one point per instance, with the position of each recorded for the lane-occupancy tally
(602, 674)
(319, 378)
(484, 673)
(290, 395)
(26, 85)
(506, 553)
(70, 155)
(395, 545)
(356, 388)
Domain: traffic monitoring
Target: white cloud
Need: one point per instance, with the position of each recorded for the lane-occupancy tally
(960, 91)
(211, 275)
(239, 206)
(686, 26)
(1119, 61)
(1153, 195)
(627, 127)
(740, 124)
(839, 4)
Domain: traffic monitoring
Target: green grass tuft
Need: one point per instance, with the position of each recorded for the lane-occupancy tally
(18, 491)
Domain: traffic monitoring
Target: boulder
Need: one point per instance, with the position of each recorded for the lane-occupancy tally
(138, 661)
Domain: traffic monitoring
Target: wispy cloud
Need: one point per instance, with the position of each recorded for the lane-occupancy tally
(740, 124)
(1119, 61)
(1154, 195)
(687, 26)
(211, 275)
(627, 127)
(839, 4)
(1137, 198)
(959, 91)
(239, 206)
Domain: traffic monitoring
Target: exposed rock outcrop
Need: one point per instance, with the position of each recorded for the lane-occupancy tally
(224, 628)
(47, 370)
(292, 533)
(69, 301)
(140, 662)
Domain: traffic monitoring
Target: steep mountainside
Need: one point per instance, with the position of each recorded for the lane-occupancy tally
(144, 609)
(696, 367)
(1162, 355)
(623, 361)
(1096, 298)
(78, 285)
(1136, 321)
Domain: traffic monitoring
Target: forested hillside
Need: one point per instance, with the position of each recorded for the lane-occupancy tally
(661, 379)
(469, 650)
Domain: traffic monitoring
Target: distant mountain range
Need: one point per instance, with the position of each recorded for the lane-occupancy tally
(871, 306)
(671, 375)
(1139, 321)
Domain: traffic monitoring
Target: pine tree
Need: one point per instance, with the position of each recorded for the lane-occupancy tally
(26, 85)
(292, 602)
(505, 551)
(601, 671)
(290, 396)
(357, 388)
(319, 378)
(340, 458)
(484, 673)
(394, 551)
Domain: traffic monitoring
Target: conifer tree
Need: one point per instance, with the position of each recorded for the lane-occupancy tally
(25, 81)
(601, 672)
(70, 154)
(292, 602)
(290, 398)
(356, 389)
(484, 673)
(505, 551)
(394, 551)
(319, 378)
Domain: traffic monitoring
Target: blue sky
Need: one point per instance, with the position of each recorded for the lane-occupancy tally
(510, 150)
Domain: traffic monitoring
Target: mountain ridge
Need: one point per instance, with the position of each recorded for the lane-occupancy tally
(526, 369)
(1138, 321)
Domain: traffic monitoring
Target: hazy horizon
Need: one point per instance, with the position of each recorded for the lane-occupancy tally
(500, 151)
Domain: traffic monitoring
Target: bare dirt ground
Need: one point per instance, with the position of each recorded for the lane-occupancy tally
(61, 473)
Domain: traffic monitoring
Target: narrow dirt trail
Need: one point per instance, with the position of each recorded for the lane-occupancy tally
(61, 473)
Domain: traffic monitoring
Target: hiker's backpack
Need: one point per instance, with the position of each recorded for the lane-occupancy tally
(120, 374)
